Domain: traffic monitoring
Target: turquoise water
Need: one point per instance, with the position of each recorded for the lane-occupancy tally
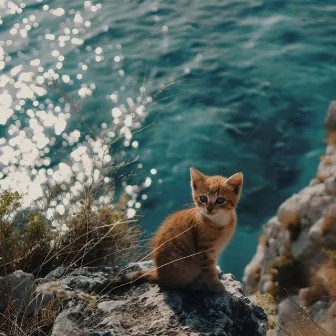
(246, 85)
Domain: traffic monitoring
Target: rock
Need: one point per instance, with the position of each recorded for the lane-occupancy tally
(330, 123)
(302, 239)
(314, 203)
(288, 212)
(17, 288)
(254, 268)
(319, 309)
(330, 184)
(326, 317)
(57, 273)
(147, 310)
(287, 310)
(304, 248)
(327, 240)
(64, 325)
(290, 250)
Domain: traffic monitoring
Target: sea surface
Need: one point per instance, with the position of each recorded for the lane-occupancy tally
(222, 85)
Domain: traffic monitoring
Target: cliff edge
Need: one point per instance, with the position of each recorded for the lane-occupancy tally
(138, 310)
(295, 259)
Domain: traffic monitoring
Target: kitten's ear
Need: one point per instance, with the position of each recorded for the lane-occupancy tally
(235, 182)
(196, 177)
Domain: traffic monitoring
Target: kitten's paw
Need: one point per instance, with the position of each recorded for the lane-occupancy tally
(216, 286)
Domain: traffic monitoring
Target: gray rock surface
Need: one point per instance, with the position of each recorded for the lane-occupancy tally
(18, 289)
(143, 310)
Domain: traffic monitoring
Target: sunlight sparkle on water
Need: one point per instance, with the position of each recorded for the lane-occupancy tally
(37, 121)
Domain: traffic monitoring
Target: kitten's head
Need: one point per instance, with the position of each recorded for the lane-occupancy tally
(215, 195)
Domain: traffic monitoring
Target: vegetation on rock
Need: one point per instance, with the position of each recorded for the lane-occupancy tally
(29, 242)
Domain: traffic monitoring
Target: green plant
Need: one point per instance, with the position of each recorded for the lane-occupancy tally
(93, 238)
(267, 302)
(22, 246)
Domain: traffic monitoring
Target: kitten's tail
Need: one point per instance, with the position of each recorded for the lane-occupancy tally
(122, 281)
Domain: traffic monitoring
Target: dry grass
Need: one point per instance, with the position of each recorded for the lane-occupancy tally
(297, 320)
(302, 324)
(102, 237)
(92, 238)
(15, 321)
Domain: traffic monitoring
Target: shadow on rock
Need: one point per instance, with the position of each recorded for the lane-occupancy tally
(145, 310)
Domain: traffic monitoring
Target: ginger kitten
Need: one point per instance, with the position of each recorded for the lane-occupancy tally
(187, 244)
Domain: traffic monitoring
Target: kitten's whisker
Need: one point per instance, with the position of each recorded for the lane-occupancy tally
(188, 205)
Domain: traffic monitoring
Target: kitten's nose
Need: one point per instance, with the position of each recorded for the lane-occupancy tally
(210, 207)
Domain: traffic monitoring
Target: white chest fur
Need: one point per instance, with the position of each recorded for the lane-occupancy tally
(223, 224)
(222, 218)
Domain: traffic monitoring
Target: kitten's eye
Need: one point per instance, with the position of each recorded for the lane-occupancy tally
(220, 200)
(203, 199)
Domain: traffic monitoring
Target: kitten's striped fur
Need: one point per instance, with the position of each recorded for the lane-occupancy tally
(187, 244)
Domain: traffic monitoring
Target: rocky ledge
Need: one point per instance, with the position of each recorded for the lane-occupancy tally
(297, 249)
(145, 309)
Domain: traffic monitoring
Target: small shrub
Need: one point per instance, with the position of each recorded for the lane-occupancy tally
(103, 237)
(25, 245)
